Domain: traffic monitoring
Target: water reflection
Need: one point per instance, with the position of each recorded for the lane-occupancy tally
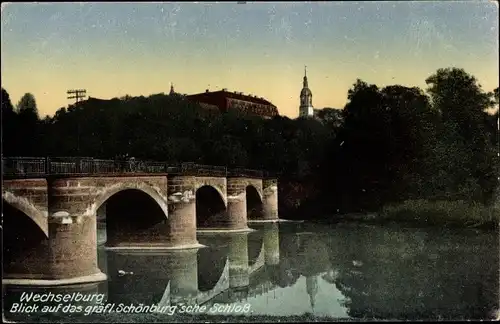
(336, 271)
(405, 273)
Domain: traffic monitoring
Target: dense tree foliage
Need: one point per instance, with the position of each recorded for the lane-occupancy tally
(9, 123)
(387, 144)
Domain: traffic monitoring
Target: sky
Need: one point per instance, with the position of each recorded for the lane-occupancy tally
(115, 49)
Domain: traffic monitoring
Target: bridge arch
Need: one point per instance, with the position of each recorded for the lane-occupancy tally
(254, 203)
(140, 186)
(131, 215)
(147, 276)
(23, 205)
(212, 261)
(255, 250)
(202, 183)
(211, 207)
(24, 244)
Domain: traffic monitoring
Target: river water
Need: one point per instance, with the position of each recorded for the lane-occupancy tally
(294, 271)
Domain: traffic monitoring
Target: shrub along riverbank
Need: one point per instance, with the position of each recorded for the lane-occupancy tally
(417, 212)
(442, 213)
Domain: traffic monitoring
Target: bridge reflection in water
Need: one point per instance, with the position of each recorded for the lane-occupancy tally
(288, 269)
(232, 268)
(230, 264)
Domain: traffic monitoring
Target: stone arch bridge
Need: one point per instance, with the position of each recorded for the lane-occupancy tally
(146, 205)
(231, 270)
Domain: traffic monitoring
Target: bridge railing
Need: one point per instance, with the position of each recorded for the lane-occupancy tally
(64, 165)
(99, 166)
(25, 167)
(203, 170)
(246, 173)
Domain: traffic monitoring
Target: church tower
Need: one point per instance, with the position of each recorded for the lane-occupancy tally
(306, 108)
(312, 289)
(171, 89)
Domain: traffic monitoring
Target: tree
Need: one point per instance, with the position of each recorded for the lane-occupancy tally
(410, 138)
(359, 153)
(461, 101)
(331, 117)
(458, 97)
(28, 138)
(27, 106)
(9, 125)
(6, 103)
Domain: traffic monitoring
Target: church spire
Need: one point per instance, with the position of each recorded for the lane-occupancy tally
(305, 77)
(172, 88)
(312, 289)
(306, 107)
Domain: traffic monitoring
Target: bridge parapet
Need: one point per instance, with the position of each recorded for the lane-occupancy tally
(201, 170)
(245, 173)
(18, 166)
(39, 167)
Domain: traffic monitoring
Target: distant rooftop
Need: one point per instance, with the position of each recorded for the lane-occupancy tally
(234, 95)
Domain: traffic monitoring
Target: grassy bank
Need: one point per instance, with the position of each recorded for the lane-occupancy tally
(447, 213)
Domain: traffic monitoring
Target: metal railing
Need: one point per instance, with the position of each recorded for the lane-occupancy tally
(246, 173)
(29, 167)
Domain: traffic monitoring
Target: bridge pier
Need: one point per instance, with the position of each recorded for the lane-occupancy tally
(271, 244)
(183, 268)
(182, 212)
(237, 204)
(71, 249)
(270, 199)
(72, 233)
(238, 260)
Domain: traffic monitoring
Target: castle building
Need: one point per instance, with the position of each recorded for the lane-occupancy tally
(306, 108)
(226, 100)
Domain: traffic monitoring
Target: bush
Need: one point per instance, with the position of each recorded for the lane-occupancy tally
(442, 212)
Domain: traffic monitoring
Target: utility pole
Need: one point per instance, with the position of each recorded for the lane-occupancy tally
(77, 94)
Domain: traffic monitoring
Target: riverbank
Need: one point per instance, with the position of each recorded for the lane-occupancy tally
(423, 213)
(443, 213)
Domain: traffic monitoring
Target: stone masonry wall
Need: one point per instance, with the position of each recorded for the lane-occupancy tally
(182, 210)
(236, 203)
(73, 204)
(270, 199)
(30, 197)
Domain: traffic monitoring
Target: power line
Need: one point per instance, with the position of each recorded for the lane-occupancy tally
(77, 94)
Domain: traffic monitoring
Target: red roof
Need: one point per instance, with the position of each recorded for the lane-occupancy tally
(219, 98)
(234, 95)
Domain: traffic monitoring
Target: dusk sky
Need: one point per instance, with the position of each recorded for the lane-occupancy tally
(114, 49)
